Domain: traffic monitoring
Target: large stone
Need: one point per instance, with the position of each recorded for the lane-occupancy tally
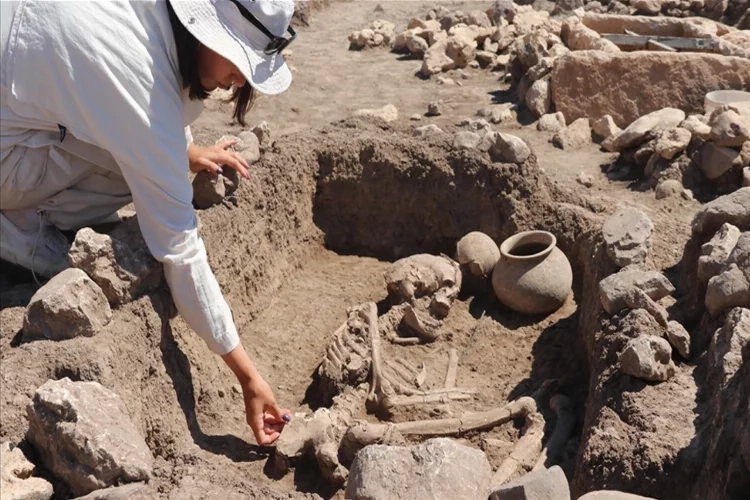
(651, 7)
(438, 469)
(649, 358)
(646, 128)
(655, 26)
(461, 50)
(538, 98)
(729, 342)
(427, 130)
(716, 252)
(730, 129)
(581, 37)
(553, 122)
(544, 484)
(716, 160)
(388, 113)
(120, 262)
(612, 495)
(248, 146)
(208, 189)
(16, 477)
(466, 140)
(698, 126)
(574, 136)
(508, 148)
(134, 491)
(628, 234)
(531, 48)
(733, 208)
(672, 141)
(67, 306)
(591, 84)
(436, 60)
(85, 437)
(679, 338)
(614, 288)
(605, 127)
(729, 289)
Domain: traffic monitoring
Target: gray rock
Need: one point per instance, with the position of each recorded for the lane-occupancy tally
(612, 495)
(263, 132)
(542, 69)
(729, 289)
(67, 306)
(248, 146)
(650, 7)
(730, 129)
(649, 358)
(679, 338)
(715, 253)
(746, 177)
(427, 130)
(545, 484)
(531, 48)
(538, 98)
(438, 469)
(574, 136)
(85, 437)
(605, 127)
(435, 108)
(134, 491)
(16, 476)
(733, 208)
(698, 126)
(628, 236)
(728, 343)
(553, 122)
(508, 148)
(208, 189)
(120, 262)
(715, 160)
(478, 125)
(668, 188)
(672, 141)
(614, 288)
(646, 128)
(466, 140)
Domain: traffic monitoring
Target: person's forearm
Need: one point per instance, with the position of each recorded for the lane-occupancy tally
(239, 362)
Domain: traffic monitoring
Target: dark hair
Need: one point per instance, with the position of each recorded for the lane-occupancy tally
(187, 59)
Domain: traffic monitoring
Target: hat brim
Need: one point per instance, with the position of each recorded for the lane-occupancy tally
(268, 74)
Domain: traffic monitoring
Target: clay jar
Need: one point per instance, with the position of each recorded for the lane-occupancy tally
(532, 276)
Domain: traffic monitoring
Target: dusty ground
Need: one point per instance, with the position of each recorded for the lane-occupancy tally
(287, 303)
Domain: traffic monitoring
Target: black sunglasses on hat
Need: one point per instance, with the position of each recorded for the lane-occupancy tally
(277, 43)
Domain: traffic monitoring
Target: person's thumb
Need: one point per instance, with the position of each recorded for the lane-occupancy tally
(276, 412)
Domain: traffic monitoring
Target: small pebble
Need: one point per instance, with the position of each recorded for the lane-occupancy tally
(434, 109)
(416, 117)
(221, 393)
(237, 389)
(585, 179)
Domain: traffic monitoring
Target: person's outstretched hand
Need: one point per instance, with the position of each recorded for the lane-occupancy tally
(264, 416)
(213, 157)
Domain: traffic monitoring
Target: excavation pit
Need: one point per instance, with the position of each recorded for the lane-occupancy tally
(326, 214)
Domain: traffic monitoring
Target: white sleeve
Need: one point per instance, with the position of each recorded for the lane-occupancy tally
(150, 145)
(188, 135)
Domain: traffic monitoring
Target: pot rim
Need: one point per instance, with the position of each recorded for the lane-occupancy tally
(525, 237)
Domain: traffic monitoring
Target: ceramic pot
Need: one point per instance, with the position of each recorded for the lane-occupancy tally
(532, 276)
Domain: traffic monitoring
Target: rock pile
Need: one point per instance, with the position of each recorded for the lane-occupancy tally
(702, 152)
(379, 34)
(17, 481)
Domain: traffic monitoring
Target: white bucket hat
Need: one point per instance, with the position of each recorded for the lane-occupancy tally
(249, 33)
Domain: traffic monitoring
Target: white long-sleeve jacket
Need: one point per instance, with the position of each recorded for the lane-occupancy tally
(108, 72)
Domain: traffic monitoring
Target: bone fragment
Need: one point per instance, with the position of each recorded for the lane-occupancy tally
(450, 374)
(524, 453)
(566, 420)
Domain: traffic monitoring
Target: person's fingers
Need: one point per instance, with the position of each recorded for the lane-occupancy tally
(237, 165)
(226, 144)
(209, 165)
(267, 438)
(241, 160)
